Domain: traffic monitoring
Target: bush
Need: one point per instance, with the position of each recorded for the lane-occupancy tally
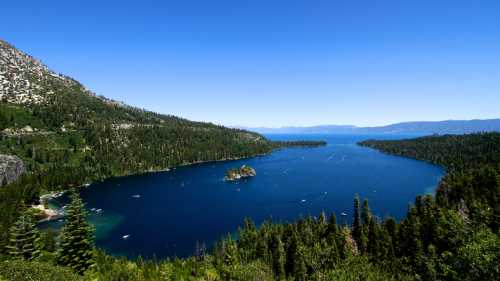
(360, 269)
(35, 271)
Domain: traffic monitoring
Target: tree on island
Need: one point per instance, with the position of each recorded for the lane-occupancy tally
(77, 241)
(24, 241)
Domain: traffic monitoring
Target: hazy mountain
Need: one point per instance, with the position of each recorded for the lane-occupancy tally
(417, 128)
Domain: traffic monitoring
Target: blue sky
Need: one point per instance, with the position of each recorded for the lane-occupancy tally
(274, 63)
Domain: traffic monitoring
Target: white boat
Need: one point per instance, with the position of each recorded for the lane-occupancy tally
(136, 196)
(98, 210)
(343, 214)
(303, 200)
(92, 210)
(126, 236)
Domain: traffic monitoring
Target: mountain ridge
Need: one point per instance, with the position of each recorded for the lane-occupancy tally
(410, 127)
(71, 135)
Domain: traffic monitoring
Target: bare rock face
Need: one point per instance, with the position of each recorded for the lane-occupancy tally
(11, 167)
(25, 80)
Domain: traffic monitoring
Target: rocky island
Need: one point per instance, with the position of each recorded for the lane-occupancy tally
(244, 171)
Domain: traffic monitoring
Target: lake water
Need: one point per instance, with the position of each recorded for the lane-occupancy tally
(166, 213)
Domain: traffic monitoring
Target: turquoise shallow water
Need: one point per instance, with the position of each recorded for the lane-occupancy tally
(166, 213)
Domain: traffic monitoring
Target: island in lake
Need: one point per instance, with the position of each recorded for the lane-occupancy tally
(239, 173)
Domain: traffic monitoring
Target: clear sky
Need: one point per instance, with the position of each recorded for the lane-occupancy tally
(274, 63)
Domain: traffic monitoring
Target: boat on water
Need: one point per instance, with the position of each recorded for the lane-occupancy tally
(343, 214)
(136, 196)
(126, 236)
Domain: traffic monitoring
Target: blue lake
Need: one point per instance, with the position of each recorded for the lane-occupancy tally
(166, 213)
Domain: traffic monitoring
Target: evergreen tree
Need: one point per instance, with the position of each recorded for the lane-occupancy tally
(279, 259)
(48, 239)
(366, 213)
(262, 248)
(299, 264)
(322, 225)
(24, 242)
(372, 245)
(332, 228)
(231, 256)
(357, 228)
(76, 246)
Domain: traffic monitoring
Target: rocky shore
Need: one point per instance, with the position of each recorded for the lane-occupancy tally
(244, 171)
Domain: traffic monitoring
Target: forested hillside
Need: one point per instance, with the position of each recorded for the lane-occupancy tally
(473, 162)
(68, 136)
(454, 236)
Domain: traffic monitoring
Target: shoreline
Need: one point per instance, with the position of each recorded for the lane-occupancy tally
(54, 214)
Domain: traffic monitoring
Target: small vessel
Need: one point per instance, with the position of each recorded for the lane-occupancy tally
(93, 209)
(343, 214)
(136, 196)
(303, 200)
(98, 210)
(126, 236)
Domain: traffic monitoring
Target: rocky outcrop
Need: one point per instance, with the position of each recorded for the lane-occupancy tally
(240, 173)
(26, 80)
(11, 167)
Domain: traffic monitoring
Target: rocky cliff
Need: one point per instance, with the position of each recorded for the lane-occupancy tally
(11, 167)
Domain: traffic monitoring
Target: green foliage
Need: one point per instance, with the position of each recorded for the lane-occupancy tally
(78, 138)
(24, 242)
(76, 246)
(360, 269)
(19, 270)
(48, 240)
(455, 152)
(451, 237)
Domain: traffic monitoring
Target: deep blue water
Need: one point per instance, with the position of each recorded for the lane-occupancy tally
(189, 204)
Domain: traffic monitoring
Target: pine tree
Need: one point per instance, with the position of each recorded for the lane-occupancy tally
(332, 227)
(279, 259)
(357, 228)
(48, 239)
(231, 258)
(76, 246)
(295, 265)
(24, 242)
(366, 213)
(372, 245)
(321, 225)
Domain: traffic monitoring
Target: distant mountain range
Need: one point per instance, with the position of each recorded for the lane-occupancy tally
(410, 128)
